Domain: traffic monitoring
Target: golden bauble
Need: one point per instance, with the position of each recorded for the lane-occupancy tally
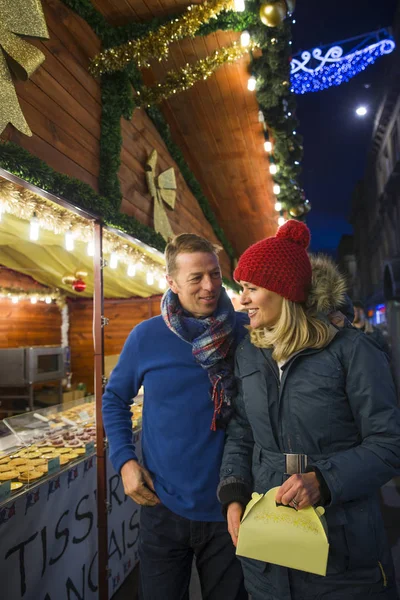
(297, 211)
(68, 279)
(291, 5)
(80, 274)
(273, 14)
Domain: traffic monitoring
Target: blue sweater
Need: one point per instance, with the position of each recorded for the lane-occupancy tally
(179, 449)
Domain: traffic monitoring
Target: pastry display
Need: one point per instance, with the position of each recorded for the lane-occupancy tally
(8, 475)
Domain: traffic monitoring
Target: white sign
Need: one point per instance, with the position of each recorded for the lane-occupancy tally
(48, 537)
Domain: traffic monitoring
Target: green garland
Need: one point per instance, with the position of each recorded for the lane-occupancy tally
(117, 102)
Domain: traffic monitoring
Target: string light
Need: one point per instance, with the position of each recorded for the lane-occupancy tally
(273, 169)
(361, 111)
(281, 221)
(90, 249)
(239, 5)
(48, 300)
(69, 241)
(245, 39)
(150, 278)
(277, 189)
(131, 270)
(34, 228)
(33, 300)
(251, 84)
(278, 206)
(268, 146)
(162, 283)
(261, 118)
(15, 299)
(113, 260)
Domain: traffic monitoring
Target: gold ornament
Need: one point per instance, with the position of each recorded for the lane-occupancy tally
(291, 5)
(185, 78)
(162, 189)
(273, 14)
(18, 17)
(156, 43)
(297, 211)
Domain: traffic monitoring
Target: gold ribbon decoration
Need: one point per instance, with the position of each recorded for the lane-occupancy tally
(162, 189)
(18, 17)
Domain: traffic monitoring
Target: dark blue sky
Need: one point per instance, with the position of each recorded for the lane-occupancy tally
(336, 142)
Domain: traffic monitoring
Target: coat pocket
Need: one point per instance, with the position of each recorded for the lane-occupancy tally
(360, 535)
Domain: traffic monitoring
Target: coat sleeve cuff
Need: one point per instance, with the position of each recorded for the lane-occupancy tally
(323, 486)
(233, 490)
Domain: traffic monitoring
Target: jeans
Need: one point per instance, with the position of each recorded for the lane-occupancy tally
(167, 545)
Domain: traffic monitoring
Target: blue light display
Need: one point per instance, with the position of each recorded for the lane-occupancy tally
(314, 72)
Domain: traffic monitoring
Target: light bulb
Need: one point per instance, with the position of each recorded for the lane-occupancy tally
(251, 84)
(113, 260)
(273, 169)
(277, 190)
(245, 38)
(281, 221)
(278, 206)
(162, 283)
(268, 146)
(361, 111)
(33, 300)
(90, 249)
(294, 132)
(289, 114)
(15, 299)
(34, 228)
(48, 300)
(261, 116)
(238, 5)
(69, 241)
(150, 278)
(296, 162)
(131, 270)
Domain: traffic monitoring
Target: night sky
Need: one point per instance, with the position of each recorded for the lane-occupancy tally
(336, 141)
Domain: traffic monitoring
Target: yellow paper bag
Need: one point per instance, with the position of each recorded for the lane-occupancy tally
(284, 536)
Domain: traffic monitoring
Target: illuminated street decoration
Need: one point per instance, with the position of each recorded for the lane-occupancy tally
(314, 71)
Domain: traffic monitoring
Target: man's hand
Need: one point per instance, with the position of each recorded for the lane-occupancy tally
(138, 484)
(299, 491)
(234, 514)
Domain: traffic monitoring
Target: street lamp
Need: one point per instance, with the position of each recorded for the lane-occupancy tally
(361, 111)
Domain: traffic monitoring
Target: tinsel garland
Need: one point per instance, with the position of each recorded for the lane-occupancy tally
(40, 295)
(186, 77)
(25, 205)
(156, 43)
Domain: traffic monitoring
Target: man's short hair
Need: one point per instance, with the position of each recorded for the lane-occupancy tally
(186, 243)
(358, 304)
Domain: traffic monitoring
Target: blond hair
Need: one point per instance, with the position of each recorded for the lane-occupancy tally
(186, 243)
(294, 331)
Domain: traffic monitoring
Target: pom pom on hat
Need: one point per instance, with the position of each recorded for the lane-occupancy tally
(279, 263)
(295, 231)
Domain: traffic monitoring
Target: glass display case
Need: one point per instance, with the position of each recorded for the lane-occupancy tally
(36, 445)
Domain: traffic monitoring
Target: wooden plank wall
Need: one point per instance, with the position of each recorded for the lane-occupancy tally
(62, 105)
(26, 324)
(123, 316)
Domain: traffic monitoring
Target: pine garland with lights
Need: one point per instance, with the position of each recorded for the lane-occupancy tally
(185, 78)
(155, 44)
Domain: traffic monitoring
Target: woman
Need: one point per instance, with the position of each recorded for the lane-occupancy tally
(316, 415)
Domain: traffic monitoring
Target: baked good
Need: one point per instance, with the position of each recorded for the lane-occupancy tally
(7, 475)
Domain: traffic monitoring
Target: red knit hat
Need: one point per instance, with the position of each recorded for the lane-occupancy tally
(279, 263)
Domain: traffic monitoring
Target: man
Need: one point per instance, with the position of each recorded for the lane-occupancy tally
(361, 322)
(178, 357)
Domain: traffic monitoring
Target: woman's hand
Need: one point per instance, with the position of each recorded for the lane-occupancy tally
(299, 491)
(234, 515)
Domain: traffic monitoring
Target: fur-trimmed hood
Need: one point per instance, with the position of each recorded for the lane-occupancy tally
(328, 287)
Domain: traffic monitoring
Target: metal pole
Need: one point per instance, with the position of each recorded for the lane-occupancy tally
(98, 337)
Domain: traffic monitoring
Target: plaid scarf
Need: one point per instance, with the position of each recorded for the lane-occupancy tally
(212, 342)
